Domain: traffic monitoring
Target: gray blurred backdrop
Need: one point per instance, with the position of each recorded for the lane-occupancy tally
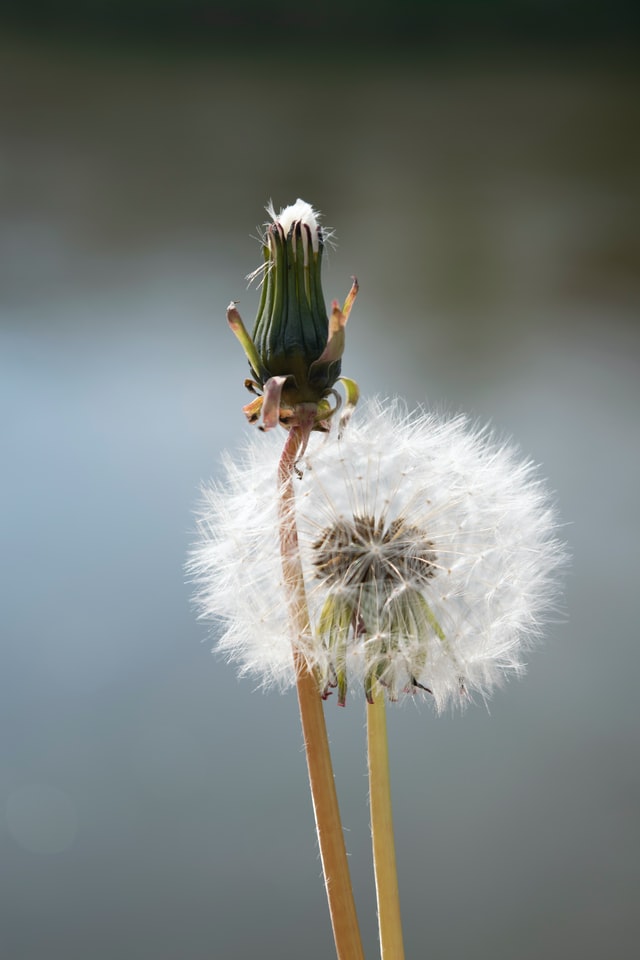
(486, 193)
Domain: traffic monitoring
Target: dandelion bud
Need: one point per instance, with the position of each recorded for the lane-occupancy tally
(292, 325)
(295, 349)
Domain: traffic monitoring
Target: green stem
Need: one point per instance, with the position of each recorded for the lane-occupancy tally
(384, 854)
(321, 780)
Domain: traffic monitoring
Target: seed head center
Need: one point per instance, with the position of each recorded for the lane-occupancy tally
(365, 550)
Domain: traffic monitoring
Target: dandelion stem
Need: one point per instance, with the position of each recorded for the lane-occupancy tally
(384, 855)
(323, 792)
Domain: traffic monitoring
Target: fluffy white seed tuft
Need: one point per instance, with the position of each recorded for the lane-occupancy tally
(436, 539)
(301, 212)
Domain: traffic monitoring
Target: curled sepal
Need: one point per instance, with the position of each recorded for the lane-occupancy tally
(235, 322)
(271, 405)
(369, 682)
(350, 299)
(325, 411)
(253, 410)
(430, 617)
(376, 652)
(334, 349)
(352, 392)
(372, 677)
(327, 681)
(334, 624)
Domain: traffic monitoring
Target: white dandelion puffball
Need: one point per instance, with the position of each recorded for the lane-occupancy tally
(428, 552)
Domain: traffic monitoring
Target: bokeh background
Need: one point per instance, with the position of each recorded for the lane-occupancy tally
(480, 164)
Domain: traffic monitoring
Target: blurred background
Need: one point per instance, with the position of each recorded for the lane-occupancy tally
(480, 163)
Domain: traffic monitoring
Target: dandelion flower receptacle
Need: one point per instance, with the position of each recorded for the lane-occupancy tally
(428, 552)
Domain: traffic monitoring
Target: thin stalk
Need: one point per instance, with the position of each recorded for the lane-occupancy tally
(384, 853)
(323, 792)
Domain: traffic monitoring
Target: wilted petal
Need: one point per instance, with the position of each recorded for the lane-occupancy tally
(271, 405)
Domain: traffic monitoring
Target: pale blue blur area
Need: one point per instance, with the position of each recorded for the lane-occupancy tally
(152, 805)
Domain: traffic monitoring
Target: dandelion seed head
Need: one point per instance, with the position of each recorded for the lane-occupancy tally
(428, 548)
